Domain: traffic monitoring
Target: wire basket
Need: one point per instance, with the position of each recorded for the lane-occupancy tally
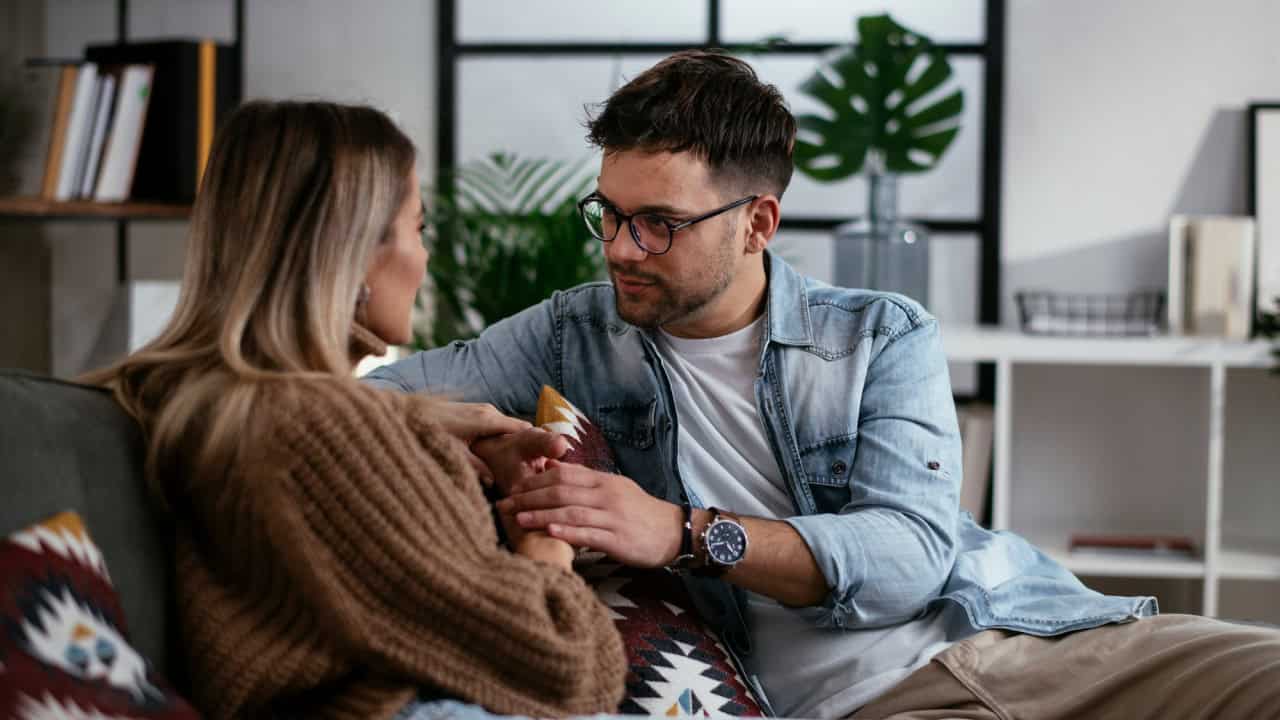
(1091, 314)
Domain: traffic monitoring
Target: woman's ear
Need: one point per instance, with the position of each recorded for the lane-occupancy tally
(762, 222)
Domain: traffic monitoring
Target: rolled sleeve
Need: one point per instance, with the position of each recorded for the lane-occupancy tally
(889, 551)
(506, 365)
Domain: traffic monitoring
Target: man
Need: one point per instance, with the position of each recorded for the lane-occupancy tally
(792, 448)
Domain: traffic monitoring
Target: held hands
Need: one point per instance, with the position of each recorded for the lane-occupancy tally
(610, 513)
(474, 422)
(518, 456)
(515, 458)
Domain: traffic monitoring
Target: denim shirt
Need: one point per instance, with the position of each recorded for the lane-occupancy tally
(855, 397)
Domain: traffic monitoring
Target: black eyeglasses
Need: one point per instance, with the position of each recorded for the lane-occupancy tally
(652, 232)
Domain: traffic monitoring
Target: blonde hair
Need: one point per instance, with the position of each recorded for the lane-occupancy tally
(295, 198)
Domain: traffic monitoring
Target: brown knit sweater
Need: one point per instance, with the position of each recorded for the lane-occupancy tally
(350, 559)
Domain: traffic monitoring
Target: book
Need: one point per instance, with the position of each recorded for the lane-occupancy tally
(68, 80)
(1135, 545)
(120, 154)
(977, 429)
(194, 84)
(106, 98)
(1211, 276)
(79, 122)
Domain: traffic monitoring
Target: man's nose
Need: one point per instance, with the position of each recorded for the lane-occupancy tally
(624, 248)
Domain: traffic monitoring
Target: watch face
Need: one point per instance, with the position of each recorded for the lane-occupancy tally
(726, 542)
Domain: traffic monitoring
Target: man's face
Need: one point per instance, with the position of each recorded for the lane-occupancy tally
(681, 285)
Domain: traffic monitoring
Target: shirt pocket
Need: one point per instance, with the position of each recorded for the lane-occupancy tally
(630, 424)
(828, 470)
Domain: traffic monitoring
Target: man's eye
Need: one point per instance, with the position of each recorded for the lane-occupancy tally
(653, 222)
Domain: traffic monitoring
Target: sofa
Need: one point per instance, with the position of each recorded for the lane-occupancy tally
(70, 447)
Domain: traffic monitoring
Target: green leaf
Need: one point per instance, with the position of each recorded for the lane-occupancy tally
(872, 93)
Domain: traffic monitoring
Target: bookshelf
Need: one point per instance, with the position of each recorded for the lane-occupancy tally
(1192, 374)
(122, 213)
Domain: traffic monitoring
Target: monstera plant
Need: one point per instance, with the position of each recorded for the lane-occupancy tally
(889, 108)
(506, 234)
(881, 97)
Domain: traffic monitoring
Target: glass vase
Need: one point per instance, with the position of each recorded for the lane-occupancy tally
(880, 252)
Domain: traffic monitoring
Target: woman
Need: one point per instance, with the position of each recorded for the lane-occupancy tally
(335, 554)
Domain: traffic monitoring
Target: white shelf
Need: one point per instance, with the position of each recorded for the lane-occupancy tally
(994, 344)
(1219, 560)
(1115, 565)
(1249, 564)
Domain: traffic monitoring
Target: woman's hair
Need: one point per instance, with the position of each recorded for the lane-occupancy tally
(295, 197)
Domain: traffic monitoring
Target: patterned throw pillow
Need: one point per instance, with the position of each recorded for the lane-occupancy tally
(64, 649)
(587, 445)
(678, 668)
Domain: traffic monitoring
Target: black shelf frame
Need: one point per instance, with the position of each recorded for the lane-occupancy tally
(992, 51)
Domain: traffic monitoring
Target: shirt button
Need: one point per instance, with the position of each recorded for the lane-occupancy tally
(838, 467)
(934, 465)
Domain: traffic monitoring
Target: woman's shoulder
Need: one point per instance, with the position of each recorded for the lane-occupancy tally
(317, 404)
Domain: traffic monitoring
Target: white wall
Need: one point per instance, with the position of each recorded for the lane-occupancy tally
(1117, 115)
(378, 53)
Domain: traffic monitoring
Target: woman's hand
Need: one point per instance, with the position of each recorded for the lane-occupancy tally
(519, 456)
(470, 422)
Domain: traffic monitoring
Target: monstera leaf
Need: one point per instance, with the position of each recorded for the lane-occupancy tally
(507, 234)
(880, 96)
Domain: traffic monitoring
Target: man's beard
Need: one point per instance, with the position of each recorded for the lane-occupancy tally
(674, 304)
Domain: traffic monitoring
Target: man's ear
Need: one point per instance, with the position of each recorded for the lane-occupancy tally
(762, 222)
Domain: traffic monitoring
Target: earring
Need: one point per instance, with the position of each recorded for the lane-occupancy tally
(362, 303)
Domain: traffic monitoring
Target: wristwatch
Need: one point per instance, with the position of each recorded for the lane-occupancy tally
(723, 544)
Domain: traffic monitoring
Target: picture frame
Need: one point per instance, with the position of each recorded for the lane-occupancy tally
(1264, 200)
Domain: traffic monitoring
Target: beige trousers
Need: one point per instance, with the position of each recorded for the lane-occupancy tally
(1166, 667)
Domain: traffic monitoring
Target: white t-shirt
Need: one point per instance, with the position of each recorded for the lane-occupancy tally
(726, 461)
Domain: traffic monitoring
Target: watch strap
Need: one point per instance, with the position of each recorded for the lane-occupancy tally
(686, 558)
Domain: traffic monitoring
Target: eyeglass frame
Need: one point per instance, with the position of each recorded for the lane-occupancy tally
(672, 228)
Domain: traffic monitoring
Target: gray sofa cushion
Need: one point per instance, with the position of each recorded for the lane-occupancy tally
(70, 447)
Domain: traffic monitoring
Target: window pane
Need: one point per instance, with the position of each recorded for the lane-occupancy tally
(808, 21)
(812, 253)
(952, 190)
(954, 271)
(547, 21)
(534, 106)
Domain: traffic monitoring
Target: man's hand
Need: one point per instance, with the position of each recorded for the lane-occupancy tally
(516, 457)
(587, 508)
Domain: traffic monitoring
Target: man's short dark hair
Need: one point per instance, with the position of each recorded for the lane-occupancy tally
(708, 103)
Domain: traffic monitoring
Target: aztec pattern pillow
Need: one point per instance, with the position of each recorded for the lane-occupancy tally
(678, 668)
(64, 649)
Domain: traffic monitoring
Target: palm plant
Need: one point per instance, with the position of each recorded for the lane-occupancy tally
(506, 235)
